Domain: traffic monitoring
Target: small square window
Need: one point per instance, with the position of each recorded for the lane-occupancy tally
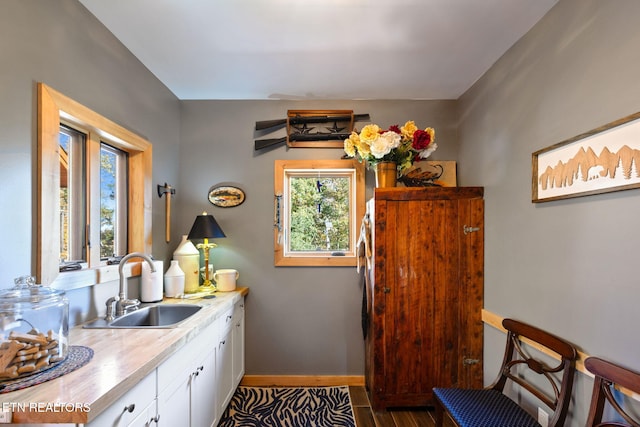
(319, 205)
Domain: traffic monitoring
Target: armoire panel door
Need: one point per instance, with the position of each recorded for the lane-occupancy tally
(425, 328)
(421, 303)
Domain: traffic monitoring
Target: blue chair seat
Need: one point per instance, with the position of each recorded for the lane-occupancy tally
(483, 408)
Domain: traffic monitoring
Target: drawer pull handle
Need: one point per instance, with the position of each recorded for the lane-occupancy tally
(198, 370)
(130, 408)
(155, 419)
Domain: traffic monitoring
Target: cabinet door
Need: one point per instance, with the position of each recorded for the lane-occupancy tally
(174, 403)
(174, 385)
(204, 411)
(428, 298)
(224, 369)
(238, 343)
(419, 279)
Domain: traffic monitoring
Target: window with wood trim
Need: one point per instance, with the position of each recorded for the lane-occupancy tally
(319, 205)
(100, 139)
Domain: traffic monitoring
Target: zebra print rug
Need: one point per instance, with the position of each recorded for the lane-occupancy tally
(289, 407)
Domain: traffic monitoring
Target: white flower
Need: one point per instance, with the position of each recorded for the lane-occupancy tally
(427, 151)
(383, 145)
(392, 138)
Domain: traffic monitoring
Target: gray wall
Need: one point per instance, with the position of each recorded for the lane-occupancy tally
(300, 320)
(61, 44)
(567, 266)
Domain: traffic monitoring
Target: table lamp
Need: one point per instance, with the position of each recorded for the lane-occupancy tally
(204, 228)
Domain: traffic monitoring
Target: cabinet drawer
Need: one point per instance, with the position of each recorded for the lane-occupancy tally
(130, 405)
(225, 321)
(238, 311)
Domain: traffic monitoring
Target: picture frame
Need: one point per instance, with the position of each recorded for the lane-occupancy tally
(226, 196)
(430, 173)
(603, 160)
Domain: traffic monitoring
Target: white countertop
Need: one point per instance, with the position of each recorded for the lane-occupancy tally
(122, 357)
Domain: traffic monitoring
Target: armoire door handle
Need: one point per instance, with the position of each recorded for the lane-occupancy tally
(469, 229)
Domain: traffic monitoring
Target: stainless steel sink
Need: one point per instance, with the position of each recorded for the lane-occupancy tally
(155, 316)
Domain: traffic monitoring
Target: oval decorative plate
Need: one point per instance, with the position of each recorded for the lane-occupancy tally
(226, 196)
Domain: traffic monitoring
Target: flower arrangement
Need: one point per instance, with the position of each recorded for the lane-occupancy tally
(400, 144)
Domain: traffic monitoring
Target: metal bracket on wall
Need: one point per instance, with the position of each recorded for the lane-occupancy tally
(277, 222)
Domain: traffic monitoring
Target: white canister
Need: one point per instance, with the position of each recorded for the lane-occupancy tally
(174, 280)
(188, 258)
(226, 279)
(151, 282)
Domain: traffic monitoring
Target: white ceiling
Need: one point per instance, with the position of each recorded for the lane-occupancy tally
(318, 49)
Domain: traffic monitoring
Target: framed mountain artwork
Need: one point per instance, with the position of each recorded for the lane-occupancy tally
(602, 160)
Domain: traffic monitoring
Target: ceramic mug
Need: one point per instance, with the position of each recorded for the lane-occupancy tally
(226, 279)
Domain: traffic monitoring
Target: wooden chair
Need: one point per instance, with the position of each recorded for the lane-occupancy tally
(607, 376)
(491, 407)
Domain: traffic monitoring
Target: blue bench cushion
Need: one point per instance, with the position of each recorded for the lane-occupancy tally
(483, 408)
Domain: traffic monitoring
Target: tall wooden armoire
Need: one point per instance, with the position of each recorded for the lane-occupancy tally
(425, 295)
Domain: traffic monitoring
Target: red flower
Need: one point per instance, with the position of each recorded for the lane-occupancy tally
(421, 140)
(395, 128)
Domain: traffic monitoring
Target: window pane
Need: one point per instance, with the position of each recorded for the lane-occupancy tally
(113, 201)
(72, 195)
(55, 111)
(319, 215)
(318, 206)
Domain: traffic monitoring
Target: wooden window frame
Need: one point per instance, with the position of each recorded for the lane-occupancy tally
(55, 108)
(358, 200)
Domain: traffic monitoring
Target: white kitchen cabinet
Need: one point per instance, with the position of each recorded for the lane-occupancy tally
(230, 355)
(186, 383)
(238, 343)
(204, 411)
(174, 402)
(130, 406)
(191, 388)
(224, 366)
(196, 384)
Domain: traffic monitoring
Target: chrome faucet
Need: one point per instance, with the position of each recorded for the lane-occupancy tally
(122, 302)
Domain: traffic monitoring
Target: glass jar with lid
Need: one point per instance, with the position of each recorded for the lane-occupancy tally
(34, 328)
